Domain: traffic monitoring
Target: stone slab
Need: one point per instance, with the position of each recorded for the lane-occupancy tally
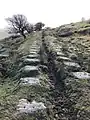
(32, 56)
(81, 75)
(29, 71)
(63, 58)
(26, 107)
(30, 61)
(72, 64)
(30, 81)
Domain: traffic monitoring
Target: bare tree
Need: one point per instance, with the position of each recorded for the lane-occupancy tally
(38, 26)
(29, 28)
(17, 24)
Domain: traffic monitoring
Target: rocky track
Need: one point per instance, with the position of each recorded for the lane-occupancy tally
(61, 92)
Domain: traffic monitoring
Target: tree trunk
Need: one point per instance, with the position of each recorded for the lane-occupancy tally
(23, 35)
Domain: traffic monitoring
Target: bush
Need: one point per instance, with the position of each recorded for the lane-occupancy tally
(38, 26)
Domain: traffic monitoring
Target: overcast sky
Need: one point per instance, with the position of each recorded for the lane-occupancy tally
(52, 12)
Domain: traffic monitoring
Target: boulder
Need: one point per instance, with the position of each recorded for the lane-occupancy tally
(66, 34)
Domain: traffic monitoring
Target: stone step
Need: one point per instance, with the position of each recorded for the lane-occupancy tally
(35, 47)
(4, 55)
(30, 81)
(59, 58)
(81, 75)
(60, 54)
(33, 52)
(3, 50)
(72, 64)
(25, 106)
(32, 56)
(29, 71)
(57, 47)
(29, 61)
(58, 50)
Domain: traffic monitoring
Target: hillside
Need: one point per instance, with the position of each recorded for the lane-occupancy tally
(3, 34)
(47, 75)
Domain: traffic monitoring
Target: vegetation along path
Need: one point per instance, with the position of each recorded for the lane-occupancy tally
(44, 78)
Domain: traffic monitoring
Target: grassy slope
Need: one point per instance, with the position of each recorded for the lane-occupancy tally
(79, 44)
(11, 92)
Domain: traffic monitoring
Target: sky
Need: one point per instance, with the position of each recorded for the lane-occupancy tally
(51, 12)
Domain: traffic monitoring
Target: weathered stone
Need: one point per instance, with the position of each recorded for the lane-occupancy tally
(3, 50)
(30, 81)
(58, 50)
(73, 56)
(66, 34)
(4, 55)
(35, 47)
(58, 47)
(30, 61)
(81, 75)
(33, 52)
(29, 68)
(32, 56)
(29, 71)
(26, 107)
(60, 54)
(63, 58)
(72, 64)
